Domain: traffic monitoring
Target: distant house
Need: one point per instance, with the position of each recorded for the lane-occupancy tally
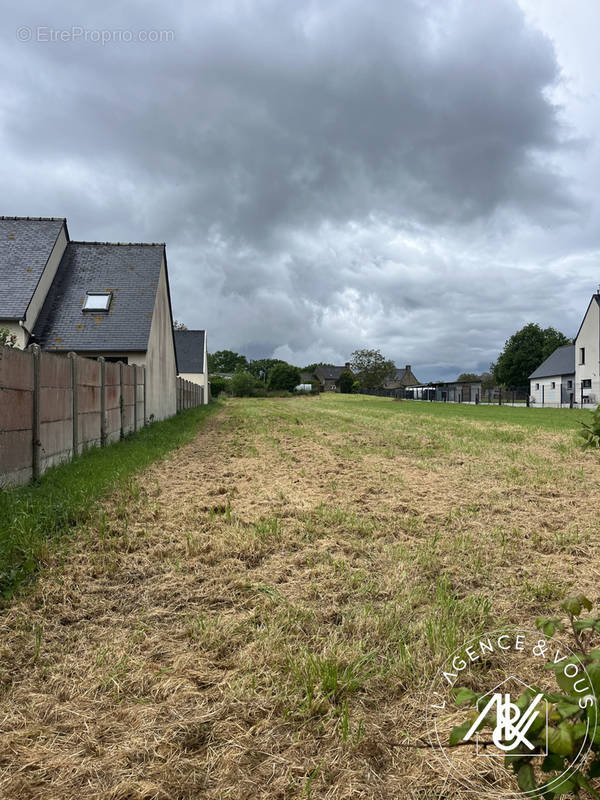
(92, 298)
(328, 377)
(403, 377)
(553, 382)
(572, 373)
(192, 358)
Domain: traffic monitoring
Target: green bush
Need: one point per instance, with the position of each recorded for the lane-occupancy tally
(284, 377)
(219, 384)
(243, 384)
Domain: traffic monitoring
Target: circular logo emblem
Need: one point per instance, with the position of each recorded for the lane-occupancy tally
(512, 714)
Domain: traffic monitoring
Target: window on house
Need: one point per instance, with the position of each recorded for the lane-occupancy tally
(97, 301)
(537, 387)
(569, 384)
(586, 383)
(582, 355)
(553, 385)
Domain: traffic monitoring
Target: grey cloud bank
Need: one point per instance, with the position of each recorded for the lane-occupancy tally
(326, 175)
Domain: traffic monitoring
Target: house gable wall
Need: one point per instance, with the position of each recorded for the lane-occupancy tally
(589, 338)
(161, 369)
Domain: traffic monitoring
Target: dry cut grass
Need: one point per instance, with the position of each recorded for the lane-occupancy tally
(260, 615)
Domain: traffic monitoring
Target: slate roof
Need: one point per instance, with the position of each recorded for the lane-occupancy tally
(189, 346)
(130, 271)
(329, 373)
(561, 362)
(25, 246)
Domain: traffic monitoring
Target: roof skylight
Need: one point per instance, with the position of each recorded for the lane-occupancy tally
(97, 301)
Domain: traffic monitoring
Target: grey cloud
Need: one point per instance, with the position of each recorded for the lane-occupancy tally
(318, 170)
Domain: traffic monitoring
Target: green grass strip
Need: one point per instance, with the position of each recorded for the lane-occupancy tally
(32, 516)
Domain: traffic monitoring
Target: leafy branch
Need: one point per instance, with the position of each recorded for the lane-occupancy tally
(572, 716)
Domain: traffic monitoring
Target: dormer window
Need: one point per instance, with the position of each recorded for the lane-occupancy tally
(97, 301)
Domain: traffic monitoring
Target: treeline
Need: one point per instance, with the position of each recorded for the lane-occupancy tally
(368, 369)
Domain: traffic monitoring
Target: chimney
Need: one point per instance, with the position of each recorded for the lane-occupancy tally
(347, 365)
(407, 367)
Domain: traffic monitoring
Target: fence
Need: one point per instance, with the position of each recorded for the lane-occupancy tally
(381, 392)
(55, 406)
(472, 393)
(567, 392)
(189, 395)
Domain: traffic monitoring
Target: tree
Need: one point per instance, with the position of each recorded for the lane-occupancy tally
(284, 377)
(371, 368)
(312, 367)
(261, 367)
(487, 381)
(524, 352)
(179, 326)
(226, 361)
(346, 382)
(468, 376)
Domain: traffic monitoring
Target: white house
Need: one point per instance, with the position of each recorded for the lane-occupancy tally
(572, 373)
(553, 382)
(587, 355)
(192, 358)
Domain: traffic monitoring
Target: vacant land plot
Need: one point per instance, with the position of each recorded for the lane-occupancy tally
(260, 615)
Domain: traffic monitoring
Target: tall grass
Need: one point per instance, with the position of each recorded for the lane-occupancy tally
(33, 516)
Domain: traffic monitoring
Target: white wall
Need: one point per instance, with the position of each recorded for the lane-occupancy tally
(201, 378)
(550, 396)
(589, 338)
(161, 371)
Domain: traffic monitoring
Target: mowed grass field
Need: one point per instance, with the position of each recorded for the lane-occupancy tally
(260, 614)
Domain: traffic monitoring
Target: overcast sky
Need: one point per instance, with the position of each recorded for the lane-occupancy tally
(418, 176)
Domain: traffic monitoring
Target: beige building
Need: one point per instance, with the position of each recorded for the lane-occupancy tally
(92, 298)
(192, 359)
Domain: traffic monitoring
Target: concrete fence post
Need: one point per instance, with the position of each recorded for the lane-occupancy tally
(102, 402)
(145, 413)
(75, 403)
(35, 422)
(135, 414)
(121, 399)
